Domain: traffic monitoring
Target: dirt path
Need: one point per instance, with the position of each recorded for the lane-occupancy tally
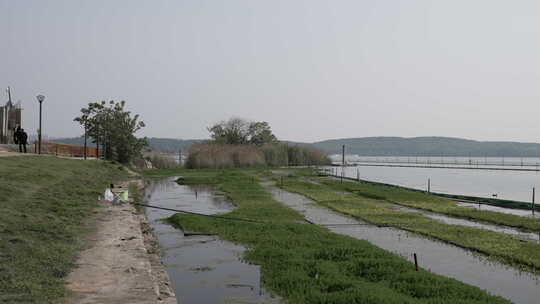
(120, 263)
(5, 152)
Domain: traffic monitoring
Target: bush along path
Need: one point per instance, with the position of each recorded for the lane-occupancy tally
(309, 264)
(500, 246)
(424, 201)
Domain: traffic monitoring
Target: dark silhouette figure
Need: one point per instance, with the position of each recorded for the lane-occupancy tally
(17, 135)
(23, 141)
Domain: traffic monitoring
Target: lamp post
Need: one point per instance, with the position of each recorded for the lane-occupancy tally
(40, 99)
(85, 148)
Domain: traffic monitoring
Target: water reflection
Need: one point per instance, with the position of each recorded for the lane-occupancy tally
(203, 269)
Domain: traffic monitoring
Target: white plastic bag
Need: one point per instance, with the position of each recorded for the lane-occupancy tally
(108, 195)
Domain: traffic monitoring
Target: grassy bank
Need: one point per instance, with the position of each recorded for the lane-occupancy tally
(424, 201)
(372, 207)
(309, 264)
(44, 202)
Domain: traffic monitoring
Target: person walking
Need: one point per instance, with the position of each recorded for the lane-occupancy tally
(17, 135)
(23, 141)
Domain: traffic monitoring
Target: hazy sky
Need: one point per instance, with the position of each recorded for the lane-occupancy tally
(313, 69)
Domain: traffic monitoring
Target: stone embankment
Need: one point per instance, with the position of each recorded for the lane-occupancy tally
(120, 262)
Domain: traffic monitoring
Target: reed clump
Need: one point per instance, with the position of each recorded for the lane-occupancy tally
(222, 156)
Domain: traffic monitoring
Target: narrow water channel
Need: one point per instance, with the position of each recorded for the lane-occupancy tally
(520, 212)
(203, 269)
(435, 256)
(528, 236)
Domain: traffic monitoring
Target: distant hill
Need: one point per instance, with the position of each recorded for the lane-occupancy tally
(428, 146)
(380, 146)
(158, 144)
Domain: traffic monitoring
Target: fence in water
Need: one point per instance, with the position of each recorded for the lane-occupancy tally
(507, 163)
(511, 189)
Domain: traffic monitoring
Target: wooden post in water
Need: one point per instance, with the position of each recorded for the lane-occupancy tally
(342, 162)
(358, 174)
(533, 201)
(343, 155)
(428, 185)
(415, 261)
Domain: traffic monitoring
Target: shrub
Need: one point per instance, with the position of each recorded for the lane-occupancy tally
(162, 162)
(220, 156)
(224, 156)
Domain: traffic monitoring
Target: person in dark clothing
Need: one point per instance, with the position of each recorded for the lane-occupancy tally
(23, 141)
(17, 135)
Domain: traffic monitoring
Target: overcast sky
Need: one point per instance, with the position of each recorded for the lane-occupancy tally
(313, 69)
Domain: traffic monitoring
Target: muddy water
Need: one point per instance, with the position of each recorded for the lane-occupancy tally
(463, 222)
(203, 269)
(440, 258)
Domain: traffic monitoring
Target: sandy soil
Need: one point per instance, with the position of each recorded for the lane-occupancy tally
(5, 152)
(120, 263)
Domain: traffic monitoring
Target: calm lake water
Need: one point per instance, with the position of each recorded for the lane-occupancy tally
(505, 184)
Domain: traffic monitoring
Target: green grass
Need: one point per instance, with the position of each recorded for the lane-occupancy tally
(309, 264)
(371, 207)
(424, 201)
(44, 203)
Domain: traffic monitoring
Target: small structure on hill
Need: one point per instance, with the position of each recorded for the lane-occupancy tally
(10, 119)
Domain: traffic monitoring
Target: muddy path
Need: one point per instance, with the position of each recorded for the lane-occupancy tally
(202, 268)
(438, 257)
(118, 263)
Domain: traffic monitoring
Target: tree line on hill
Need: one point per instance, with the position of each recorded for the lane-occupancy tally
(429, 146)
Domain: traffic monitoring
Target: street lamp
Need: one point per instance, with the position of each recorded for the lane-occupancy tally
(85, 140)
(40, 99)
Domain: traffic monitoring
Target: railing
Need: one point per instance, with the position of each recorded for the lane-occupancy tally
(60, 149)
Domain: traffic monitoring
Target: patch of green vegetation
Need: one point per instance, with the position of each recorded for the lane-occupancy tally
(309, 264)
(425, 201)
(44, 203)
(137, 196)
(492, 201)
(503, 247)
